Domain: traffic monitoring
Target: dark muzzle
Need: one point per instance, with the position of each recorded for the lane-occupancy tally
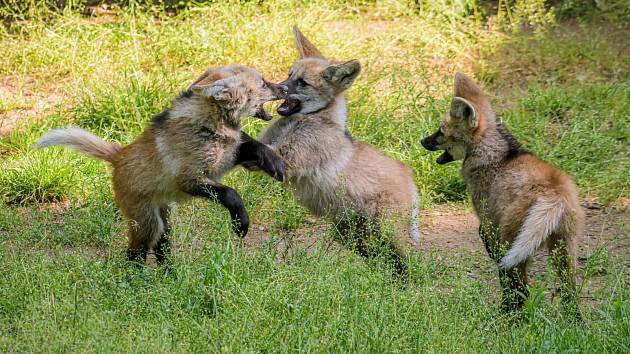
(431, 142)
(290, 105)
(279, 92)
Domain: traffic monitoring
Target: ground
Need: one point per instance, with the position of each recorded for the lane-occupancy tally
(454, 232)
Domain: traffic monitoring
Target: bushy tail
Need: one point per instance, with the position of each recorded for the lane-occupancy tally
(543, 219)
(81, 141)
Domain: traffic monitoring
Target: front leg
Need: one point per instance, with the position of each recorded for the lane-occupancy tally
(163, 247)
(252, 152)
(491, 240)
(225, 195)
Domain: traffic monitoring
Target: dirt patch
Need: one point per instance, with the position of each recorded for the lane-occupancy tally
(610, 230)
(441, 228)
(446, 229)
(20, 105)
(453, 235)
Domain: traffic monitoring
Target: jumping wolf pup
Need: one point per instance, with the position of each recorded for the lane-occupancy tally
(184, 152)
(521, 201)
(334, 175)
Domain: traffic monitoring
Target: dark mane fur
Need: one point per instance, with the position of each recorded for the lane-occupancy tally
(515, 148)
(186, 94)
(160, 119)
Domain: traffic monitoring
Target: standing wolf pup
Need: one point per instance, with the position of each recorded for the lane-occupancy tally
(184, 152)
(520, 200)
(332, 174)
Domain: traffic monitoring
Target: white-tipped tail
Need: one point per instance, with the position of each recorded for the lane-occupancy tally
(82, 141)
(543, 219)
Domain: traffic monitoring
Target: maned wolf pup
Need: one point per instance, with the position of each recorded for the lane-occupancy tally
(520, 200)
(184, 152)
(332, 174)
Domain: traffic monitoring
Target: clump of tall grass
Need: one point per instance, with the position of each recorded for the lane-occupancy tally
(38, 176)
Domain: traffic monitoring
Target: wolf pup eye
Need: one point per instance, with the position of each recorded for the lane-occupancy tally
(302, 83)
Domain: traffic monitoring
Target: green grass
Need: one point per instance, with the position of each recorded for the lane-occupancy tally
(564, 91)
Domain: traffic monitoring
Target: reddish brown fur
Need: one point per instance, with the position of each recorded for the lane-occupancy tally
(514, 193)
(184, 153)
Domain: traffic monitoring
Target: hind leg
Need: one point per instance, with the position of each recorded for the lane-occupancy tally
(136, 252)
(137, 248)
(491, 239)
(370, 242)
(563, 255)
(514, 286)
(513, 281)
(396, 258)
(144, 226)
(393, 257)
(163, 247)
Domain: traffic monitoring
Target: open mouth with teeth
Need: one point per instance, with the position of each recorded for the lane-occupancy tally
(289, 106)
(262, 114)
(444, 158)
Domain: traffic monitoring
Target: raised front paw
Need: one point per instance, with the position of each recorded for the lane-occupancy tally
(272, 164)
(240, 224)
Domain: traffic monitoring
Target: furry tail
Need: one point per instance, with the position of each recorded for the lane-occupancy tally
(543, 219)
(81, 141)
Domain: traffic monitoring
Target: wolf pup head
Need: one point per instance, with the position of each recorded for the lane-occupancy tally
(239, 89)
(463, 124)
(314, 81)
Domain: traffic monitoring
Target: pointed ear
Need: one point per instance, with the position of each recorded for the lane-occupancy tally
(304, 46)
(342, 75)
(466, 87)
(220, 90)
(464, 110)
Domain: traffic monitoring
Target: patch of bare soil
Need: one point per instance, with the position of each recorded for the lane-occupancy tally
(607, 234)
(459, 230)
(21, 105)
(443, 229)
(440, 228)
(455, 233)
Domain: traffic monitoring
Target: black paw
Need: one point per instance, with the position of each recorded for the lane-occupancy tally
(512, 304)
(137, 256)
(240, 224)
(162, 251)
(272, 164)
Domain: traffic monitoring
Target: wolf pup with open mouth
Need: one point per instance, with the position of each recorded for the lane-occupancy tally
(521, 201)
(334, 175)
(183, 153)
